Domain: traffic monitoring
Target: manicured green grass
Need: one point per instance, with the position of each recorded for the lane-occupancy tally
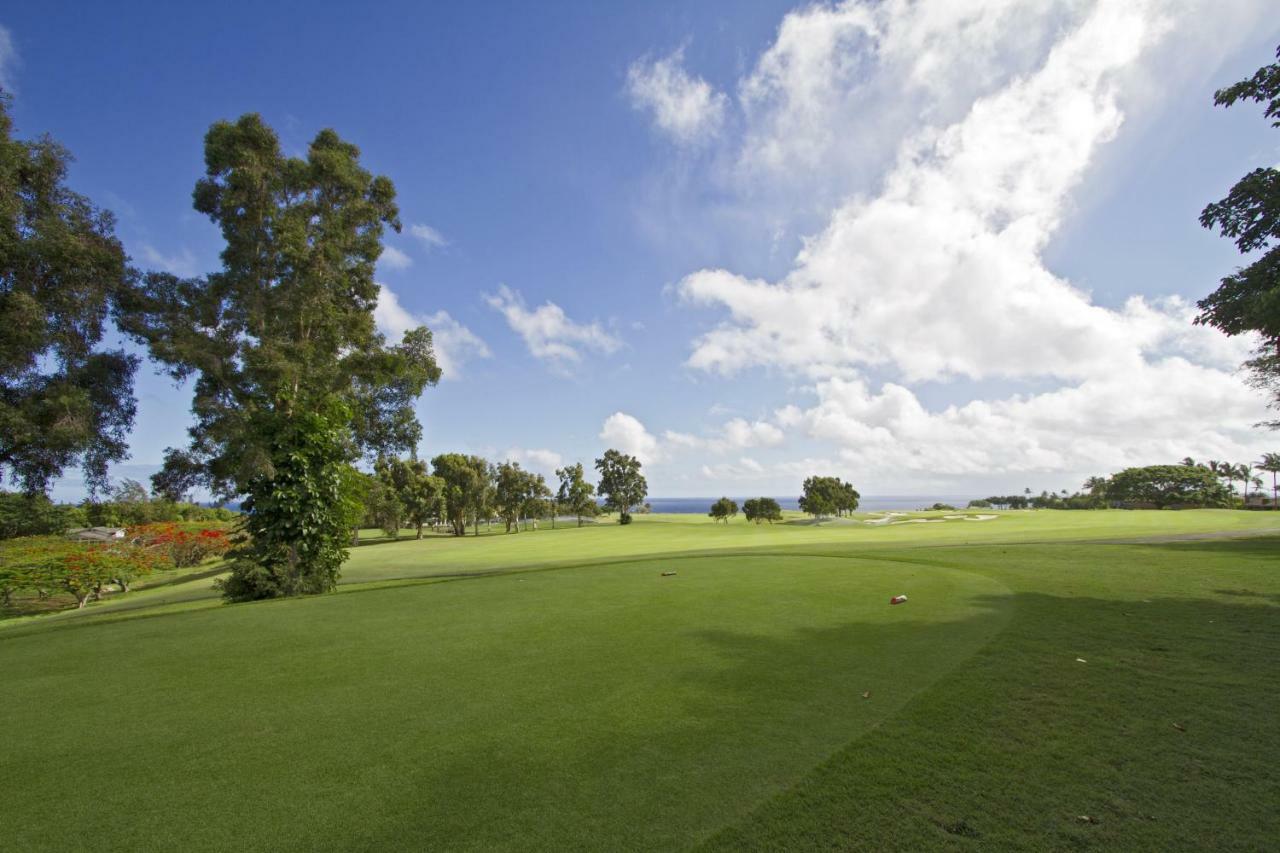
(553, 690)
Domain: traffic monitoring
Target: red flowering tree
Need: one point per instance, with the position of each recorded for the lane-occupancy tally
(184, 547)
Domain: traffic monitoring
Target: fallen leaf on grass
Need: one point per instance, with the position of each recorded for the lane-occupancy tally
(1084, 818)
(1180, 727)
(866, 695)
(1081, 660)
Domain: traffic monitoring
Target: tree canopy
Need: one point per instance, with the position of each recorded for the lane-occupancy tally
(575, 494)
(64, 399)
(762, 509)
(621, 483)
(467, 491)
(1248, 300)
(282, 345)
(724, 509)
(1164, 486)
(828, 496)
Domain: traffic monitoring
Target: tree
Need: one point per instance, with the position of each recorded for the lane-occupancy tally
(537, 502)
(575, 493)
(723, 510)
(516, 491)
(621, 483)
(825, 496)
(762, 509)
(292, 379)
(1248, 300)
(466, 488)
(64, 400)
(1167, 485)
(383, 508)
(421, 495)
(35, 515)
(1271, 464)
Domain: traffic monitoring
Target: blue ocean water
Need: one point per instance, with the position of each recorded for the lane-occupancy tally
(868, 503)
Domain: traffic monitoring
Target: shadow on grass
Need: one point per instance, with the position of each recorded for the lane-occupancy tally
(1085, 723)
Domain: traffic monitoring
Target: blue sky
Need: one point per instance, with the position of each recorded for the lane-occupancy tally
(930, 247)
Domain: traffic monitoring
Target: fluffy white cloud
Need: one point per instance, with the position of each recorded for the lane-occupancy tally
(625, 433)
(9, 59)
(395, 259)
(182, 264)
(684, 107)
(540, 460)
(454, 343)
(1102, 424)
(987, 116)
(430, 237)
(548, 332)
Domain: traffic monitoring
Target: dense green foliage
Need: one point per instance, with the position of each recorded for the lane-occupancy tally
(825, 496)
(297, 517)
(64, 399)
(1248, 300)
(519, 494)
(762, 509)
(1163, 486)
(282, 345)
(468, 493)
(621, 484)
(724, 509)
(576, 496)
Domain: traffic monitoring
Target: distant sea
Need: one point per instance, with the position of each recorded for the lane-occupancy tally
(868, 503)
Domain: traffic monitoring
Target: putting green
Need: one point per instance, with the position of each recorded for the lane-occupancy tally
(603, 707)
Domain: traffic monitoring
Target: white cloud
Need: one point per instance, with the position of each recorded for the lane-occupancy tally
(9, 60)
(539, 460)
(183, 264)
(548, 332)
(1105, 423)
(993, 115)
(430, 237)
(454, 343)
(745, 468)
(685, 108)
(395, 259)
(625, 433)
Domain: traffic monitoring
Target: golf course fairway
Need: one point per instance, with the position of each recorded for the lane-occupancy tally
(1055, 680)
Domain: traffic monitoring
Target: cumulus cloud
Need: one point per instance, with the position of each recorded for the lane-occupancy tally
(939, 275)
(395, 259)
(454, 343)
(1105, 423)
(548, 332)
(629, 434)
(625, 433)
(428, 236)
(540, 460)
(182, 264)
(684, 107)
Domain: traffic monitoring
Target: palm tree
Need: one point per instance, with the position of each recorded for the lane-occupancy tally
(1189, 462)
(1241, 472)
(1271, 463)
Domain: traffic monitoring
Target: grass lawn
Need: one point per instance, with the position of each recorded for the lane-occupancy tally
(552, 690)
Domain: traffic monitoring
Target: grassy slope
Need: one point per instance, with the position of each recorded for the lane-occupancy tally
(605, 706)
(655, 535)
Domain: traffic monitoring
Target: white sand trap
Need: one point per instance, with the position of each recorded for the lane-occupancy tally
(921, 521)
(980, 517)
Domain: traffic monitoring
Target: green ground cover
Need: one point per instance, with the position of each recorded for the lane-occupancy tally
(553, 690)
